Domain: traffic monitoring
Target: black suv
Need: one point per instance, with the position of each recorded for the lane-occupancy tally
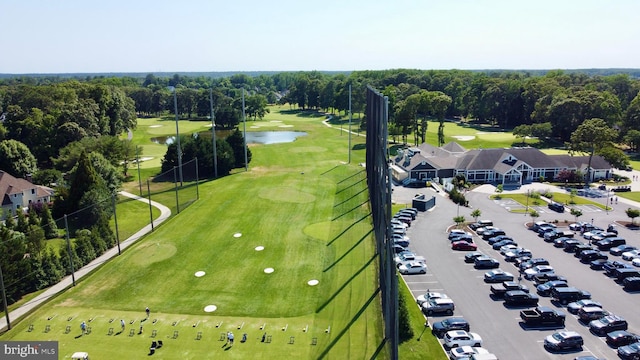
(455, 323)
(485, 262)
(556, 207)
(607, 324)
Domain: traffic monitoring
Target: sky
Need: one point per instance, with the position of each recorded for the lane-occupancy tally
(112, 36)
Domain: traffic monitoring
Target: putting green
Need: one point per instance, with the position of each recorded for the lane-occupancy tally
(308, 149)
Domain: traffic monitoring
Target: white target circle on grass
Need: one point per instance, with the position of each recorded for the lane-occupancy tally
(199, 273)
(268, 270)
(313, 282)
(237, 235)
(210, 308)
(259, 248)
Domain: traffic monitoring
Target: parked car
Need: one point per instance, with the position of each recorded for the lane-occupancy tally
(512, 255)
(618, 250)
(438, 306)
(412, 267)
(457, 232)
(631, 283)
(501, 243)
(557, 207)
(570, 245)
(589, 313)
(408, 256)
(471, 257)
(498, 290)
(485, 262)
(497, 275)
(457, 338)
(618, 338)
(463, 246)
(621, 274)
(481, 230)
(598, 264)
(603, 235)
(538, 224)
(559, 242)
(607, 324)
(608, 243)
(636, 262)
(495, 239)
(630, 255)
(568, 295)
(629, 352)
(576, 226)
(536, 270)
(430, 295)
(520, 298)
(455, 323)
(481, 223)
(587, 256)
(575, 306)
(591, 233)
(563, 340)
(492, 233)
(543, 316)
(533, 262)
(545, 289)
(549, 276)
(611, 267)
(467, 352)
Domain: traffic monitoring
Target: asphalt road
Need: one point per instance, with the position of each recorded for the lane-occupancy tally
(499, 326)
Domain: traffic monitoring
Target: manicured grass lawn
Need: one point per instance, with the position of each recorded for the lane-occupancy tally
(557, 197)
(423, 345)
(473, 137)
(303, 204)
(635, 196)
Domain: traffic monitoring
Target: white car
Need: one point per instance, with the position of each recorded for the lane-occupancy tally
(636, 262)
(537, 270)
(630, 255)
(458, 338)
(405, 257)
(457, 232)
(430, 295)
(506, 248)
(412, 267)
(465, 352)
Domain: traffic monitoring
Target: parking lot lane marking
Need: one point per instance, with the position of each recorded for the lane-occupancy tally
(422, 282)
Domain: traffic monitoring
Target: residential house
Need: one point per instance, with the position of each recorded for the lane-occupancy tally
(20, 193)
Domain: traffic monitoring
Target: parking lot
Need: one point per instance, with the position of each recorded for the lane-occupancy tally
(499, 326)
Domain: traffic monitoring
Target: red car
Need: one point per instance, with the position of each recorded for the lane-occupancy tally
(463, 245)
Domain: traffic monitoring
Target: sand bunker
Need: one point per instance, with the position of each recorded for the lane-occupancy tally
(464, 137)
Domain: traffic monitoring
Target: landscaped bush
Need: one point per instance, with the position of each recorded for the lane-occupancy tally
(457, 197)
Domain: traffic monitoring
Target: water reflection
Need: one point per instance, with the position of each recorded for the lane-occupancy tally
(253, 137)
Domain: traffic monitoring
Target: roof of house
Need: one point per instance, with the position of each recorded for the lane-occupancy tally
(10, 185)
(454, 156)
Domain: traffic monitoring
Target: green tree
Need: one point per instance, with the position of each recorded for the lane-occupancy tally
(236, 141)
(534, 215)
(632, 138)
(459, 220)
(632, 213)
(16, 159)
(48, 224)
(405, 332)
(576, 213)
(522, 131)
(591, 137)
(476, 213)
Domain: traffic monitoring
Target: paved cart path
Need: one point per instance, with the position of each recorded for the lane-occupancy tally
(66, 282)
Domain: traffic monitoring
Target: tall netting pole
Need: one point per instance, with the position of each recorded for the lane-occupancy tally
(379, 183)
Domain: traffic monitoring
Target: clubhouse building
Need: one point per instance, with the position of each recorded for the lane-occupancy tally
(507, 166)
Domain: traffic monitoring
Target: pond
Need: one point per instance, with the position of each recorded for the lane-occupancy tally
(253, 137)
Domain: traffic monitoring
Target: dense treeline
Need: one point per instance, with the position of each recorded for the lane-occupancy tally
(69, 131)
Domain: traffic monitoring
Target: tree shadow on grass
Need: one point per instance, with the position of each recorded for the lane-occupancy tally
(338, 337)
